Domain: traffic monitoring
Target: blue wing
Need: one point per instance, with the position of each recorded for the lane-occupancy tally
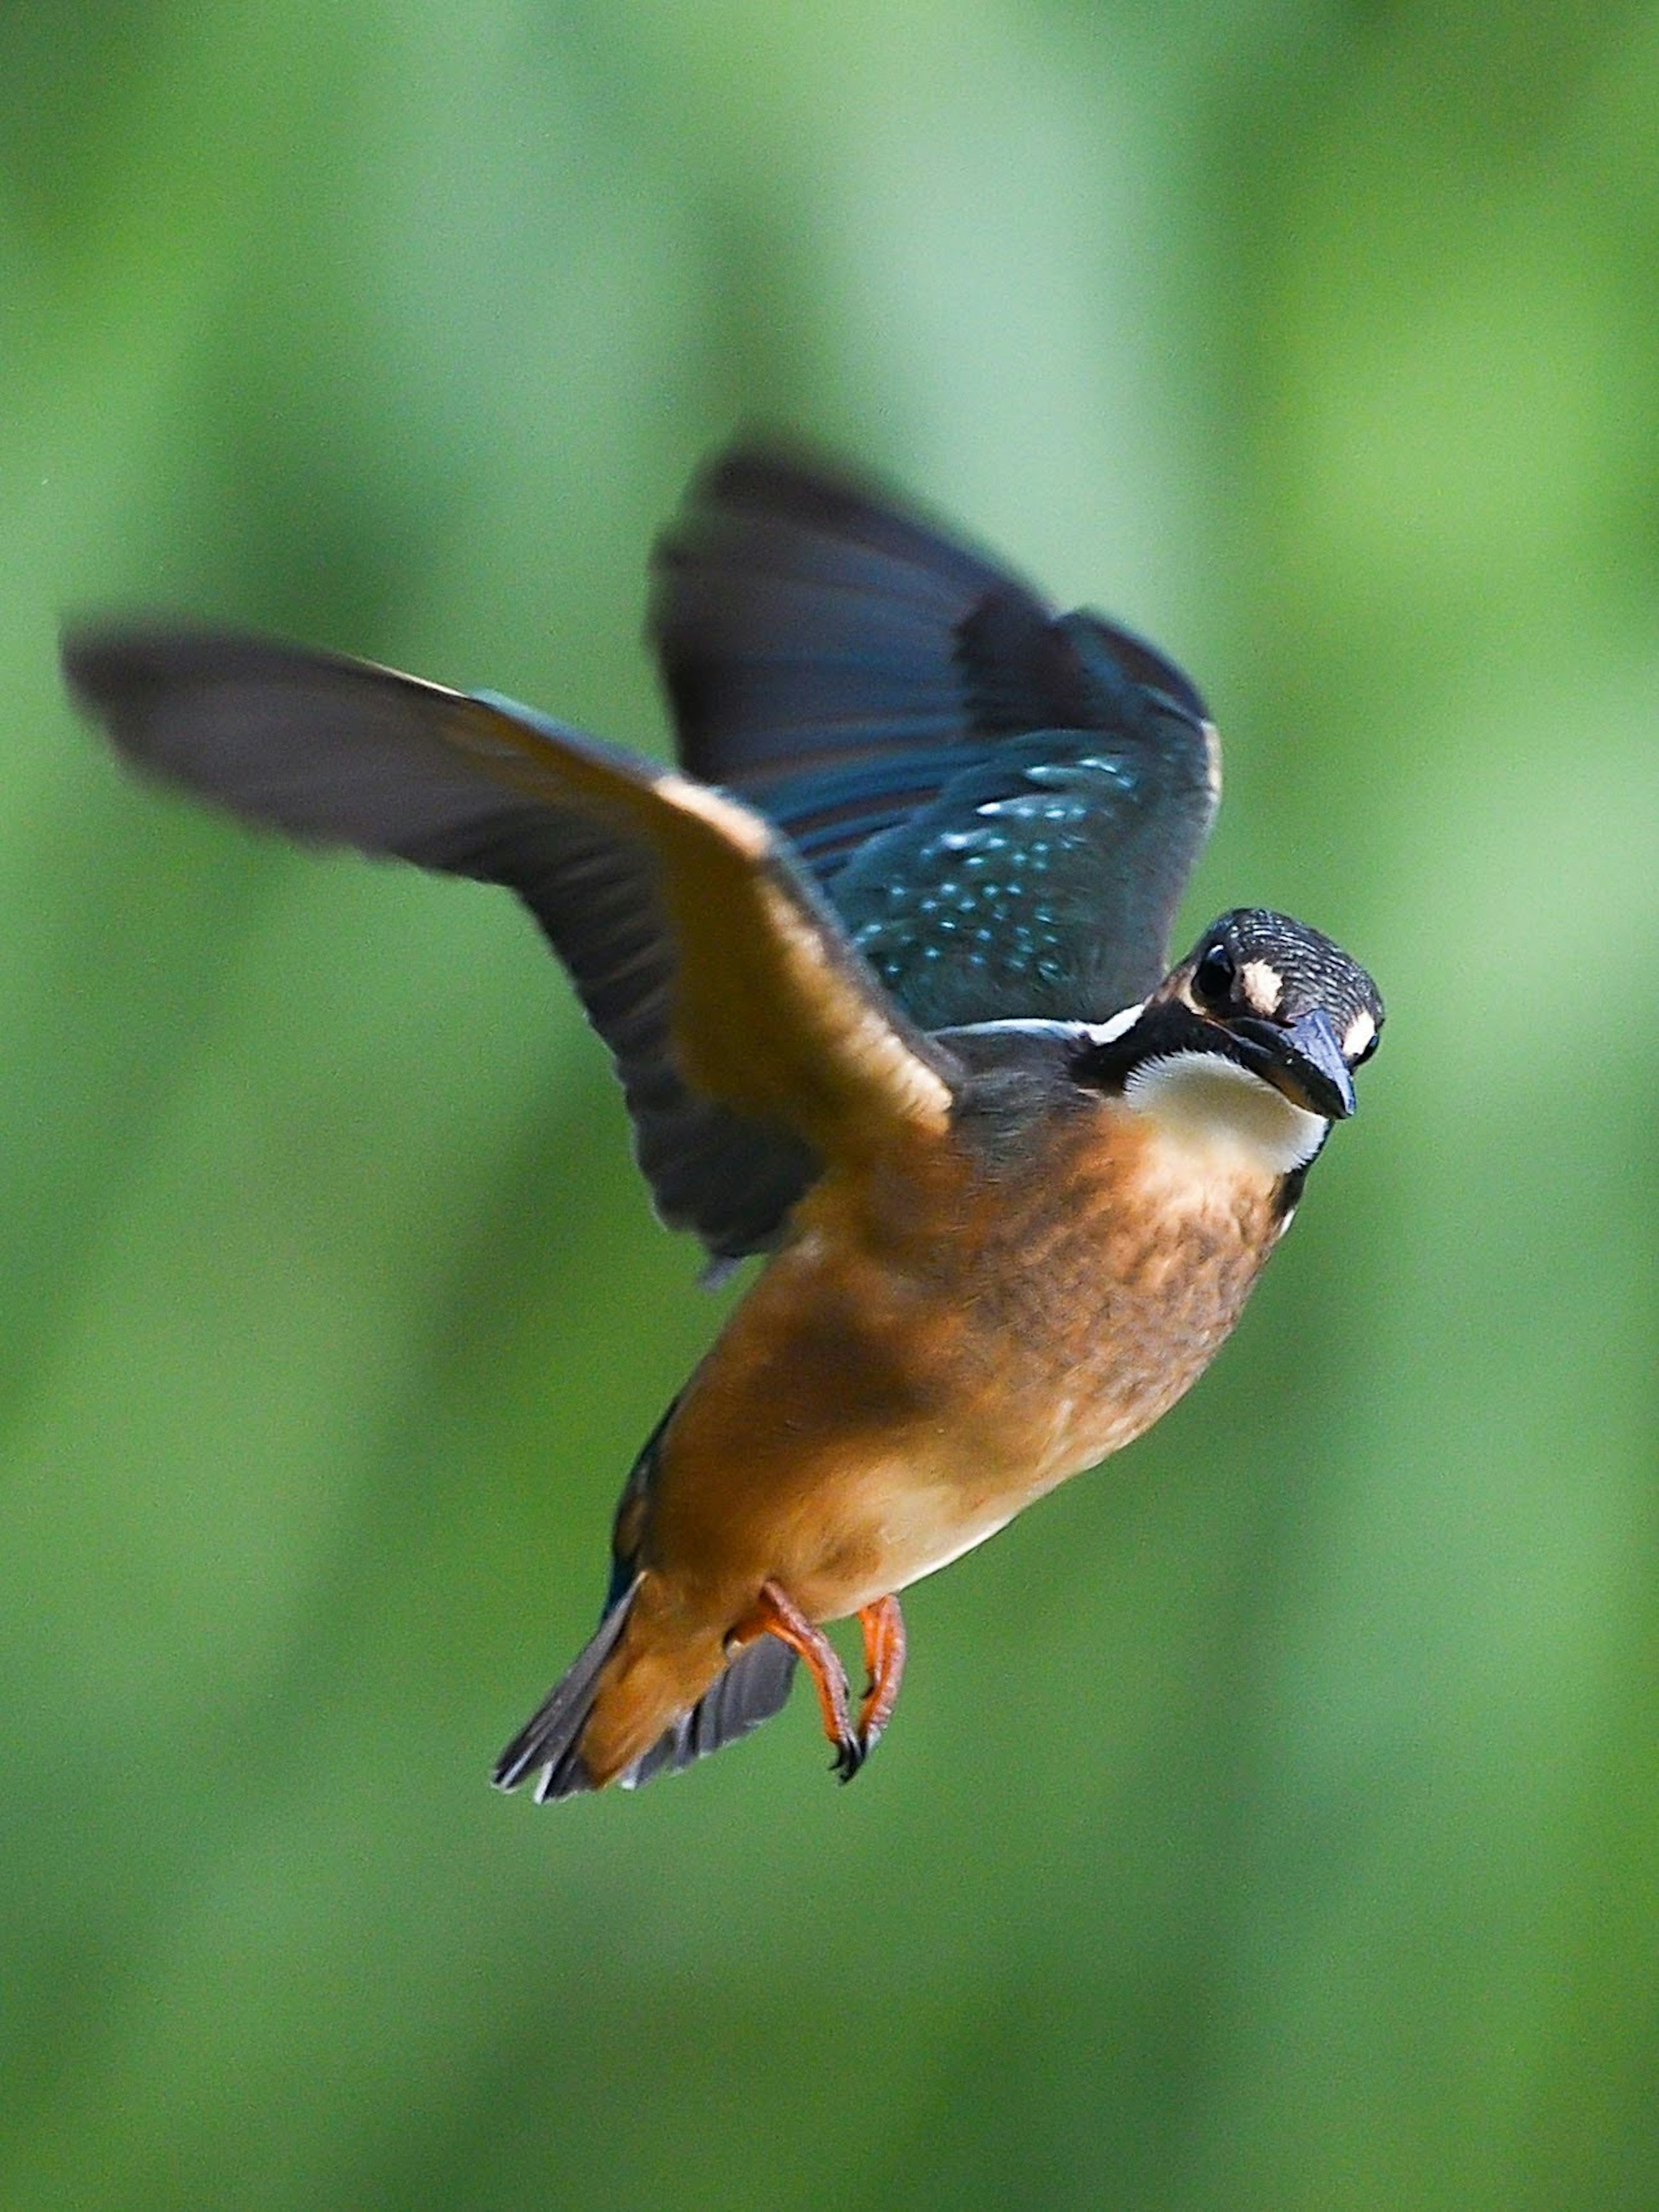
(1003, 805)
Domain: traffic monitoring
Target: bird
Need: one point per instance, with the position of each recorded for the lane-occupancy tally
(883, 964)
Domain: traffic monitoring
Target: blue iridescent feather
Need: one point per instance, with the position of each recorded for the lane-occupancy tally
(1003, 805)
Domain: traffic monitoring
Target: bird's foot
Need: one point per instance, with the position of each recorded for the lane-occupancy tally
(776, 1613)
(883, 1625)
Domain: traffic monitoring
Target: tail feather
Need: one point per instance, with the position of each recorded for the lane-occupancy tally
(549, 1738)
(753, 1687)
(750, 1690)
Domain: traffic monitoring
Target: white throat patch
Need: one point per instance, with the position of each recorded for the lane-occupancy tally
(1207, 1104)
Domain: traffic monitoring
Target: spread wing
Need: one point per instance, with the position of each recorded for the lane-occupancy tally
(754, 1044)
(1003, 805)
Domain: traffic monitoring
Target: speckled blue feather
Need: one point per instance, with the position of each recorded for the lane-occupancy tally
(1004, 805)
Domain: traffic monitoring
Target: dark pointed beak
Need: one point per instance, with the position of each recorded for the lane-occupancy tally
(1304, 1061)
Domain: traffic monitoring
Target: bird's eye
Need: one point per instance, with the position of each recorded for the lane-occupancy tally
(1212, 978)
(1375, 1040)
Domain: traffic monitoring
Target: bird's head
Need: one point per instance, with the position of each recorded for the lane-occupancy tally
(1254, 1035)
(1281, 1001)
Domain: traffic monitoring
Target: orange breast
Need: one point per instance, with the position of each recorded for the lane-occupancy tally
(939, 1344)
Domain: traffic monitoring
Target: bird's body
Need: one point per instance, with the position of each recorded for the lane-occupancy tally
(890, 1009)
(939, 1345)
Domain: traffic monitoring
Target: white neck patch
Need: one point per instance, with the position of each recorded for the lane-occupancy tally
(1120, 1025)
(1206, 1104)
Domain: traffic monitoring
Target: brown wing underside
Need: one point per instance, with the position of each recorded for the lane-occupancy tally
(752, 1040)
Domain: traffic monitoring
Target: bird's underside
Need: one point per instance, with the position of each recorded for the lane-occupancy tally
(1025, 1295)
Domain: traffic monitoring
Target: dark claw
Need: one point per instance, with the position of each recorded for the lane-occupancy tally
(850, 1755)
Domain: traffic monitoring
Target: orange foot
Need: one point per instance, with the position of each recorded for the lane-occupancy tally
(775, 1613)
(883, 1664)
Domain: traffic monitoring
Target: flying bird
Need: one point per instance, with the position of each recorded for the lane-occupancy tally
(884, 967)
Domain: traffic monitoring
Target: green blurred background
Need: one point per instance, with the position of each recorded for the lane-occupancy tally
(1271, 1821)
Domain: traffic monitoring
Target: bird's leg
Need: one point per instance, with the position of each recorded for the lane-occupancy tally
(775, 1613)
(882, 1624)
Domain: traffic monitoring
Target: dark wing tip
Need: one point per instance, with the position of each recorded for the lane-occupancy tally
(774, 472)
(130, 674)
(1142, 662)
(106, 664)
(769, 478)
(769, 475)
(114, 658)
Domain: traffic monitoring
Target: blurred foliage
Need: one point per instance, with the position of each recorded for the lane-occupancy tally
(1270, 1821)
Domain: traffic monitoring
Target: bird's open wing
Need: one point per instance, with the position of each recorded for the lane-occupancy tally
(1003, 805)
(753, 1042)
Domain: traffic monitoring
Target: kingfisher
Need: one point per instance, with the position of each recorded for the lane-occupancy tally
(884, 967)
